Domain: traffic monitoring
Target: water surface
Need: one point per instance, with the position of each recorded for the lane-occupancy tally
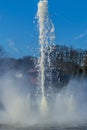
(43, 127)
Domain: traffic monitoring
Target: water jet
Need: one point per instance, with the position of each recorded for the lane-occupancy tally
(46, 33)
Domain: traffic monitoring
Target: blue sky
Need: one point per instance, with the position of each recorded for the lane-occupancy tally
(18, 27)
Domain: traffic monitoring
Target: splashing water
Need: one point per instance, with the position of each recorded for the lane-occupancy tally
(69, 107)
(46, 36)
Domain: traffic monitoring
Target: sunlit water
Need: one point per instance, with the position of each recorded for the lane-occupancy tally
(46, 36)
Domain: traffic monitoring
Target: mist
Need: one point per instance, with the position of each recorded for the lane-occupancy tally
(19, 106)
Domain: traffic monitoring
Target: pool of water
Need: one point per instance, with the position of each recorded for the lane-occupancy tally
(41, 127)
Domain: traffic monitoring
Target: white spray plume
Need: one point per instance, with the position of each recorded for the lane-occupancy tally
(46, 27)
(69, 107)
(46, 37)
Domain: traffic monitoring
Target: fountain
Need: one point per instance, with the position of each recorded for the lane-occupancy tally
(18, 108)
(46, 36)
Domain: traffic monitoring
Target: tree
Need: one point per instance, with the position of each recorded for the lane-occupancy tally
(85, 62)
(85, 67)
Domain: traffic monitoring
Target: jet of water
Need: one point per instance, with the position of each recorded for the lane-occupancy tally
(46, 36)
(46, 31)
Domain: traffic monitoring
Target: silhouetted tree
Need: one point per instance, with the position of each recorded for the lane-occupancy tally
(84, 74)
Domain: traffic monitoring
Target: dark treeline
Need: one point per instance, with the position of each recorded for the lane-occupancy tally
(65, 63)
(68, 62)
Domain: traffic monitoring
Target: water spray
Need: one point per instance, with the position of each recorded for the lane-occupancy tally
(46, 31)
